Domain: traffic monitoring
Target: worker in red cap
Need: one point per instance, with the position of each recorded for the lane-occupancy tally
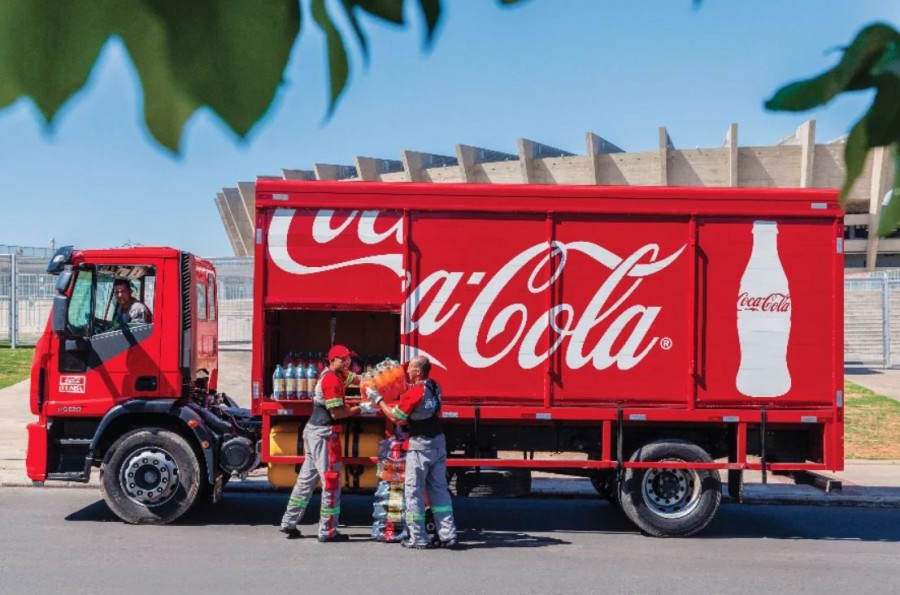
(322, 446)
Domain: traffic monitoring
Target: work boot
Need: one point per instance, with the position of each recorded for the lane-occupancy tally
(450, 544)
(337, 537)
(415, 546)
(291, 533)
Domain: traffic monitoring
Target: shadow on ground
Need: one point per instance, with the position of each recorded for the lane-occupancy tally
(488, 523)
(862, 370)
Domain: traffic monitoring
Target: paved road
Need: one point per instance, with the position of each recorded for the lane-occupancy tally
(68, 541)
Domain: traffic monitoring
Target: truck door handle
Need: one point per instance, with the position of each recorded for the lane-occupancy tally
(146, 383)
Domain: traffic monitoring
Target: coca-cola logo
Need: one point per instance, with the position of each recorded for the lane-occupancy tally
(323, 232)
(774, 302)
(626, 336)
(526, 331)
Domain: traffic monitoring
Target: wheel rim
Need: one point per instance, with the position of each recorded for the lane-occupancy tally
(671, 493)
(149, 476)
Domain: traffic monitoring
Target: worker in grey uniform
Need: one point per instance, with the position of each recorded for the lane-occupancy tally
(426, 458)
(322, 446)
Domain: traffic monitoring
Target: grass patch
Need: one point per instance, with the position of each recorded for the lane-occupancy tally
(871, 424)
(15, 365)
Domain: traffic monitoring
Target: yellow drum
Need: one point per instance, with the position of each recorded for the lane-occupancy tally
(358, 439)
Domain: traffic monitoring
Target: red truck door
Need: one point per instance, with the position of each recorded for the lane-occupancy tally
(766, 293)
(104, 365)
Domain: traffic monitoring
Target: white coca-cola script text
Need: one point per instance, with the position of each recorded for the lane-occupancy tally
(774, 302)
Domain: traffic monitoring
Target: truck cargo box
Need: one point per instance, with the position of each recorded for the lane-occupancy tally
(561, 296)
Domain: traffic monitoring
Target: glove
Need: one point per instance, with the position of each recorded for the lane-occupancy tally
(374, 396)
(367, 408)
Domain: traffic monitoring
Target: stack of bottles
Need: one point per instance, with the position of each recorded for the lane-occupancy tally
(295, 378)
(388, 377)
(389, 506)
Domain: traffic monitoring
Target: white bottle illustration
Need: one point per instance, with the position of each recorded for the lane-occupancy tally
(764, 318)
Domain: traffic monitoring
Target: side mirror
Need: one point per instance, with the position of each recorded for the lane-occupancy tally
(60, 316)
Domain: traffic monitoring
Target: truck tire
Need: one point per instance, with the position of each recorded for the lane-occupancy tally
(151, 476)
(671, 502)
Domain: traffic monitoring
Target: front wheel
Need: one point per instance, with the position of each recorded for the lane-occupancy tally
(150, 476)
(671, 502)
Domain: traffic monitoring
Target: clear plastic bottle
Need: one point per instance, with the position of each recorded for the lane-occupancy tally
(278, 383)
(312, 378)
(290, 383)
(302, 383)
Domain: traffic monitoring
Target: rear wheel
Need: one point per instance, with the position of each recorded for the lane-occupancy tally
(671, 502)
(150, 476)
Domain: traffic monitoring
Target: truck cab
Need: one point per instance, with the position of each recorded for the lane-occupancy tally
(103, 383)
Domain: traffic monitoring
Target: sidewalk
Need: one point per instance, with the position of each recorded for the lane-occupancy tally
(884, 381)
(865, 483)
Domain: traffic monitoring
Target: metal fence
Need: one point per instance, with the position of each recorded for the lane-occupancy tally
(26, 296)
(872, 320)
(871, 307)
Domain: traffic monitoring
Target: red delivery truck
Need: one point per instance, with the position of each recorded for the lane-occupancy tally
(652, 339)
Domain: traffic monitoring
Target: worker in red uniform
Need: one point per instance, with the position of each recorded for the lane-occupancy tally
(322, 446)
(426, 459)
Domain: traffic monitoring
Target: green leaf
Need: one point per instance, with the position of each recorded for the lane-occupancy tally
(48, 49)
(889, 63)
(855, 152)
(853, 72)
(230, 55)
(387, 10)
(338, 65)
(884, 113)
(227, 55)
(431, 10)
(890, 214)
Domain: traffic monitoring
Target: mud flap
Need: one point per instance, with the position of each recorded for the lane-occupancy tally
(217, 489)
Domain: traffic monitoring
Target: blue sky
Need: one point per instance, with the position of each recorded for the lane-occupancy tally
(548, 70)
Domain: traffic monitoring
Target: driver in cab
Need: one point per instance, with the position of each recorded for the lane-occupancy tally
(128, 309)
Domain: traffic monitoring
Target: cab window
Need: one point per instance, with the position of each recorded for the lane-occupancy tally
(212, 296)
(111, 297)
(80, 303)
(201, 301)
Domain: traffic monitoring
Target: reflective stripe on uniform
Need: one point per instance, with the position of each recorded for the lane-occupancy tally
(439, 509)
(330, 511)
(350, 377)
(298, 502)
(413, 517)
(399, 414)
(332, 403)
